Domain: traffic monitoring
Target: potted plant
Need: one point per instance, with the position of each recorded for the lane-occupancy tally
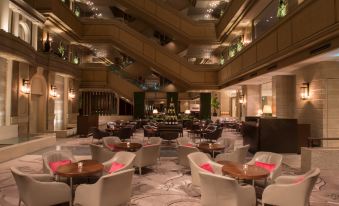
(215, 105)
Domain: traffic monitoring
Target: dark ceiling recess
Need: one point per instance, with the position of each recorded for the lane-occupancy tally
(162, 38)
(118, 13)
(320, 48)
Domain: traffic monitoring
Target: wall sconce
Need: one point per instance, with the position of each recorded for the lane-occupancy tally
(305, 91)
(241, 99)
(54, 92)
(71, 94)
(26, 86)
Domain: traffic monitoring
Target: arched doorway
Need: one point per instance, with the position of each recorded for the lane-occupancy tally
(24, 31)
(37, 114)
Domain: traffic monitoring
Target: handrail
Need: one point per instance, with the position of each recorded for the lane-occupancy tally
(175, 22)
(310, 140)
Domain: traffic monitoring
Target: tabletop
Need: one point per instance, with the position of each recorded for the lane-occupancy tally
(210, 146)
(128, 146)
(89, 168)
(243, 171)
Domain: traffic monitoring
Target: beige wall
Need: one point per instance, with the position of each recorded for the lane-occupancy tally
(321, 110)
(252, 95)
(283, 96)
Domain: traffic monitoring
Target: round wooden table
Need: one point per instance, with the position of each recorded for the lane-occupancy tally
(243, 171)
(128, 146)
(89, 168)
(210, 147)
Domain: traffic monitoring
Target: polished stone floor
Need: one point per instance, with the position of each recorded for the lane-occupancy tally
(166, 184)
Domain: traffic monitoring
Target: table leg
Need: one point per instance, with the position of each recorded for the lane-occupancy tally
(71, 184)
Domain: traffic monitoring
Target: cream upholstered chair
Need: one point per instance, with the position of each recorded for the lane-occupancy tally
(184, 141)
(270, 158)
(39, 189)
(196, 160)
(100, 153)
(228, 142)
(54, 156)
(183, 151)
(125, 158)
(238, 155)
(110, 190)
(146, 156)
(291, 190)
(217, 190)
(109, 141)
(154, 140)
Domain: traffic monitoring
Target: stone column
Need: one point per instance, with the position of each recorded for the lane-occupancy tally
(66, 89)
(15, 23)
(4, 14)
(283, 96)
(8, 91)
(35, 36)
(252, 97)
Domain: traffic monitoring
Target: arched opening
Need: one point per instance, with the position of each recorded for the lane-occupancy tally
(24, 31)
(37, 114)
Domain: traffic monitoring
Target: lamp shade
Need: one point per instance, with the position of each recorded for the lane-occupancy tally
(187, 111)
(267, 109)
(155, 111)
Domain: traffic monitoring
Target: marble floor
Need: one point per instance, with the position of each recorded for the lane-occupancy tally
(163, 185)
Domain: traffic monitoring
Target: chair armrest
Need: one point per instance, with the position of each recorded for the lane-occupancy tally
(42, 177)
(287, 179)
(217, 168)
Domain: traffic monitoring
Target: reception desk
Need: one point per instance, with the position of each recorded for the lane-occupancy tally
(271, 134)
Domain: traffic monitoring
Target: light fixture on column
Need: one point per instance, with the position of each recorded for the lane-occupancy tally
(71, 93)
(26, 86)
(305, 91)
(54, 91)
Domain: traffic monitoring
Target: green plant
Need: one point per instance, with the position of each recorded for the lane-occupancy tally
(215, 104)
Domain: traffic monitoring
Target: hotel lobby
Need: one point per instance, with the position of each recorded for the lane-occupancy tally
(169, 102)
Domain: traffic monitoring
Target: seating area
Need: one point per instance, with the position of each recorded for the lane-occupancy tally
(169, 102)
(209, 177)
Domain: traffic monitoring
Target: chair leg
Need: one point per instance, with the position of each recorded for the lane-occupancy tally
(139, 170)
(19, 201)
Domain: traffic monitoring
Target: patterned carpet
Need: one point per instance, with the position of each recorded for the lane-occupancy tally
(167, 184)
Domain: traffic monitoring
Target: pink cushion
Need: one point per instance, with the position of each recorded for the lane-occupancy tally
(115, 166)
(207, 167)
(267, 166)
(55, 165)
(111, 146)
(189, 145)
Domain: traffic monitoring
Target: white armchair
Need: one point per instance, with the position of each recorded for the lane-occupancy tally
(291, 190)
(154, 140)
(217, 190)
(184, 141)
(146, 156)
(100, 154)
(39, 189)
(228, 142)
(110, 190)
(270, 158)
(197, 159)
(126, 158)
(238, 155)
(183, 151)
(109, 141)
(54, 156)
